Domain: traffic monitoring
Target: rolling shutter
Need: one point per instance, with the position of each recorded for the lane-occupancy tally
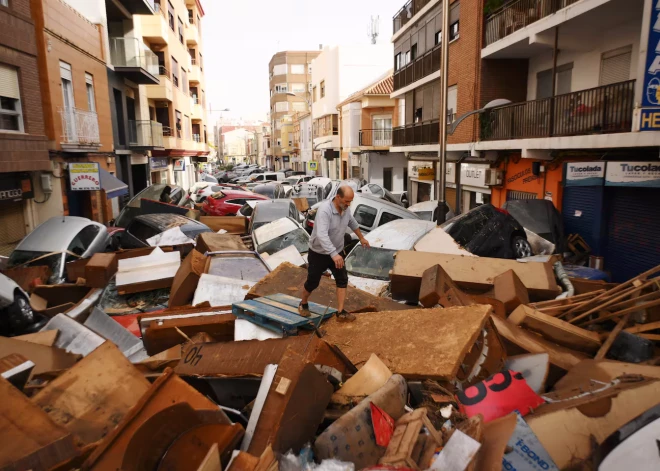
(12, 226)
(581, 213)
(632, 231)
(615, 66)
(9, 82)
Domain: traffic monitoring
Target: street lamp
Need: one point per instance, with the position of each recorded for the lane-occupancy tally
(489, 105)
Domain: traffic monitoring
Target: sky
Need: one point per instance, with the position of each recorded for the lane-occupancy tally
(240, 37)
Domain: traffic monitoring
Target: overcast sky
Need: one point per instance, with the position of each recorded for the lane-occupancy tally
(240, 37)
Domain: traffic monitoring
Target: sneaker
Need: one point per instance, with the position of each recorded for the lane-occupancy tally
(345, 316)
(303, 310)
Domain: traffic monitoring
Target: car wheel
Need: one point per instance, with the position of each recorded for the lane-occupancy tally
(20, 314)
(521, 247)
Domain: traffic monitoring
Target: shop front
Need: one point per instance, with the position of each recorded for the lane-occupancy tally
(15, 189)
(422, 181)
(613, 206)
(529, 179)
(158, 169)
(472, 183)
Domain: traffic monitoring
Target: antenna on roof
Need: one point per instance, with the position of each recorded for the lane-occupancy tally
(373, 29)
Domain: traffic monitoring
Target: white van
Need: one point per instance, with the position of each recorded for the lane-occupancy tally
(267, 177)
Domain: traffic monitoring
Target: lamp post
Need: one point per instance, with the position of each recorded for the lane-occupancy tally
(441, 174)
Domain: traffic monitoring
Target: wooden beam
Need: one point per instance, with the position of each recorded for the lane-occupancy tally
(567, 301)
(612, 301)
(612, 337)
(623, 312)
(643, 327)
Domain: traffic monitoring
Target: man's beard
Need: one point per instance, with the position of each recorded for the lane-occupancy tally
(343, 206)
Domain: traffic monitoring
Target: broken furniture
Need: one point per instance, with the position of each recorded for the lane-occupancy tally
(409, 446)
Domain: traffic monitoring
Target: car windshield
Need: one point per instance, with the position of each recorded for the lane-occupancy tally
(28, 258)
(113, 303)
(290, 181)
(132, 209)
(246, 210)
(426, 215)
(298, 237)
(373, 262)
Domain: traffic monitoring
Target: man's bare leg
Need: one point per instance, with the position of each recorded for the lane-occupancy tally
(305, 296)
(341, 297)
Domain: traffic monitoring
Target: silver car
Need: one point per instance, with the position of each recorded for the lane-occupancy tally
(58, 241)
(16, 315)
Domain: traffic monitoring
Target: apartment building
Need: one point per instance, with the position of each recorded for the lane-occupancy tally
(336, 73)
(366, 119)
(262, 136)
(302, 142)
(178, 102)
(290, 76)
(239, 146)
(23, 142)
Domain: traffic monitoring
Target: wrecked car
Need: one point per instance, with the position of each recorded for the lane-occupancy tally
(268, 211)
(149, 225)
(280, 234)
(162, 192)
(16, 315)
(228, 202)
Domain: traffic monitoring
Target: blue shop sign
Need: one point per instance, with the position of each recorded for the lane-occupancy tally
(650, 112)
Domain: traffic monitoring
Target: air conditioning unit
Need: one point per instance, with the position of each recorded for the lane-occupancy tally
(494, 177)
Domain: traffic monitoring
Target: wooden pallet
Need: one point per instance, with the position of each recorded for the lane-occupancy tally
(279, 313)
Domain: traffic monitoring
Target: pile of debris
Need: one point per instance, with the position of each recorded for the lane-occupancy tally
(481, 368)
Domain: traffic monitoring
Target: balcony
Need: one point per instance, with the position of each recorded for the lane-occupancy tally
(518, 15)
(80, 129)
(162, 91)
(116, 8)
(145, 134)
(134, 60)
(195, 73)
(192, 34)
(376, 138)
(196, 110)
(154, 27)
(421, 67)
(406, 13)
(426, 132)
(601, 110)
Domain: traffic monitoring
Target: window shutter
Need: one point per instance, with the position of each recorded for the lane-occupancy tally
(65, 71)
(454, 13)
(9, 82)
(89, 79)
(615, 66)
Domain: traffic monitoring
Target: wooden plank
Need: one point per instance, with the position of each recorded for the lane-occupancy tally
(287, 300)
(211, 461)
(635, 300)
(623, 312)
(567, 301)
(654, 337)
(617, 289)
(643, 327)
(93, 396)
(46, 338)
(417, 343)
(559, 356)
(556, 330)
(624, 294)
(611, 338)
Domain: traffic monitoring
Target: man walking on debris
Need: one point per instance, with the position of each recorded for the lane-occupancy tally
(326, 249)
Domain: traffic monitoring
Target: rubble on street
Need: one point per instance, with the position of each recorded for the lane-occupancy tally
(194, 356)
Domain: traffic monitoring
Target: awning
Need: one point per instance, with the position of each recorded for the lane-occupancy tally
(112, 185)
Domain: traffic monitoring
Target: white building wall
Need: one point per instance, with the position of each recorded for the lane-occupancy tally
(586, 64)
(306, 139)
(373, 164)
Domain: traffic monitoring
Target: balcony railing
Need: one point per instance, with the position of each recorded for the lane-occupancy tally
(601, 110)
(193, 61)
(406, 13)
(145, 133)
(79, 127)
(375, 137)
(197, 138)
(417, 69)
(130, 52)
(168, 131)
(426, 132)
(162, 70)
(519, 14)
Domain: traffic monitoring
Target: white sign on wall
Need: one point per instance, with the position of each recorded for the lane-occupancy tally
(414, 167)
(473, 174)
(645, 174)
(584, 173)
(84, 176)
(450, 172)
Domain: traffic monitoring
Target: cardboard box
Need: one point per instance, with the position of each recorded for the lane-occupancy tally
(51, 300)
(509, 289)
(301, 204)
(76, 269)
(100, 269)
(186, 278)
(211, 242)
(29, 277)
(232, 224)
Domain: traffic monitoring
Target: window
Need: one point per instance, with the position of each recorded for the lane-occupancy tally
(89, 83)
(298, 69)
(11, 118)
(175, 72)
(298, 87)
(387, 217)
(88, 234)
(4, 3)
(184, 80)
(615, 66)
(299, 106)
(387, 178)
(453, 31)
(314, 94)
(544, 81)
(170, 15)
(179, 125)
(438, 37)
(186, 127)
(271, 178)
(365, 216)
(238, 201)
(68, 100)
(397, 62)
(281, 106)
(191, 16)
(322, 88)
(192, 55)
(281, 88)
(141, 231)
(180, 30)
(199, 25)
(452, 103)
(406, 59)
(279, 69)
(201, 62)
(413, 52)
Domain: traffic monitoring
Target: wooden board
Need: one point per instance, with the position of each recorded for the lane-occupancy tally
(45, 359)
(46, 338)
(92, 397)
(232, 224)
(559, 356)
(417, 343)
(556, 330)
(468, 273)
(30, 439)
(289, 279)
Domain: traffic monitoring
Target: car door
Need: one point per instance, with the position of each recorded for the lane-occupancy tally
(387, 216)
(365, 216)
(233, 205)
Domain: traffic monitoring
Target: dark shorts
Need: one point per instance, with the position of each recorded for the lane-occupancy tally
(318, 264)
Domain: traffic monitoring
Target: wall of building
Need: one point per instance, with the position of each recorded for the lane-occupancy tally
(518, 176)
(586, 64)
(373, 164)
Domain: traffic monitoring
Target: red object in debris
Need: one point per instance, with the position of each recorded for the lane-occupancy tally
(130, 322)
(383, 425)
(498, 396)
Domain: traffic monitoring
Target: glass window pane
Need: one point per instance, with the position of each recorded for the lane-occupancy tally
(365, 216)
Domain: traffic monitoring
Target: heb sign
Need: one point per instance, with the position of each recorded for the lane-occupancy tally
(584, 173)
(84, 176)
(650, 112)
(644, 174)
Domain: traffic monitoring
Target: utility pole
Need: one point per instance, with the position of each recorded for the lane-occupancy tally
(441, 172)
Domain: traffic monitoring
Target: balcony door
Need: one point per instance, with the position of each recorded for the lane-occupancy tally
(382, 130)
(69, 115)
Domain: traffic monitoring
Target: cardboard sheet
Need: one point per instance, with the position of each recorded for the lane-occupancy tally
(45, 359)
(220, 290)
(416, 343)
(290, 254)
(152, 268)
(369, 379)
(438, 241)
